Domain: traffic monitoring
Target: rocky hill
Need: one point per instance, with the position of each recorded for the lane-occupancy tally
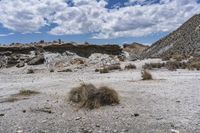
(185, 41)
(134, 50)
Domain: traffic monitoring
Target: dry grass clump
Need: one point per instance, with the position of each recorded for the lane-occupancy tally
(88, 96)
(81, 93)
(27, 92)
(130, 66)
(153, 65)
(146, 75)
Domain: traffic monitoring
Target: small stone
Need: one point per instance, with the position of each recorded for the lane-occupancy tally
(19, 131)
(2, 114)
(124, 130)
(115, 131)
(24, 111)
(178, 101)
(136, 114)
(174, 131)
(97, 125)
(78, 118)
(159, 118)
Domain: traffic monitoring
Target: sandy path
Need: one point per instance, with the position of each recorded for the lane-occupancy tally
(171, 101)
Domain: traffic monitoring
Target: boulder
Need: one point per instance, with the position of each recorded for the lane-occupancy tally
(39, 59)
(20, 64)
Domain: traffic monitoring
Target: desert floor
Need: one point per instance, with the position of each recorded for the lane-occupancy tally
(169, 103)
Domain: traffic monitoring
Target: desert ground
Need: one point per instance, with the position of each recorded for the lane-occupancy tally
(168, 103)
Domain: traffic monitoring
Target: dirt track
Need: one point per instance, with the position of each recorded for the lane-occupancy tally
(169, 102)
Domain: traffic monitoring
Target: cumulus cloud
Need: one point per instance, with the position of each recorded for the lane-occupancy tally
(92, 16)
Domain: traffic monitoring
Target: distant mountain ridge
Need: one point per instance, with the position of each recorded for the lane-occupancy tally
(134, 49)
(184, 41)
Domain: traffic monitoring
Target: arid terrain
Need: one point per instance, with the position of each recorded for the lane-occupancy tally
(168, 103)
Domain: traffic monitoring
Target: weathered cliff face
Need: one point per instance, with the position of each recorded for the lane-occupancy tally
(84, 50)
(184, 41)
(81, 50)
(34, 54)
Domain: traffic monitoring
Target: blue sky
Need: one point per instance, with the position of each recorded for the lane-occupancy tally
(94, 21)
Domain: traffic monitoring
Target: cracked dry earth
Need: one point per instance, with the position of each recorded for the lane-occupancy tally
(169, 103)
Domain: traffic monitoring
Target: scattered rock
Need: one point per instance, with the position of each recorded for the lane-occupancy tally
(19, 131)
(65, 70)
(45, 110)
(20, 64)
(159, 118)
(174, 131)
(124, 130)
(2, 114)
(78, 118)
(136, 114)
(24, 111)
(97, 125)
(39, 59)
(115, 131)
(77, 61)
(30, 71)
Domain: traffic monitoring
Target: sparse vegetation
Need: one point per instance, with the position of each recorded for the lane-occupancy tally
(146, 75)
(153, 65)
(88, 96)
(27, 92)
(130, 66)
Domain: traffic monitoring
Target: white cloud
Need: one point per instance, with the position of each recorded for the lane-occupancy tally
(91, 16)
(8, 34)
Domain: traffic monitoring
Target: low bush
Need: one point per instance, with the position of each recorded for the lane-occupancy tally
(153, 65)
(27, 92)
(146, 75)
(88, 96)
(130, 66)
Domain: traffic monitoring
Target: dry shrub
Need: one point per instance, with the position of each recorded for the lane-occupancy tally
(88, 96)
(27, 92)
(130, 66)
(146, 75)
(81, 93)
(173, 65)
(104, 70)
(153, 65)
